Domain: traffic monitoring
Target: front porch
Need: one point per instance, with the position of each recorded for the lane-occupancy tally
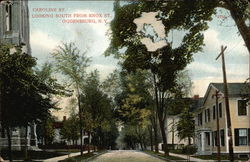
(203, 138)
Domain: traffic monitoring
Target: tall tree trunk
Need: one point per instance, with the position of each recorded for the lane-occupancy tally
(159, 104)
(80, 117)
(164, 137)
(9, 143)
(156, 134)
(173, 130)
(141, 145)
(26, 143)
(88, 142)
(150, 129)
(189, 140)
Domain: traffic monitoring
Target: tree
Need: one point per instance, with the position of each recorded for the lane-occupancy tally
(134, 105)
(45, 127)
(164, 63)
(98, 114)
(72, 64)
(186, 125)
(240, 12)
(22, 92)
(70, 129)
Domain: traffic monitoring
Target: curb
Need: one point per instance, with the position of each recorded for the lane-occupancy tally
(95, 156)
(159, 157)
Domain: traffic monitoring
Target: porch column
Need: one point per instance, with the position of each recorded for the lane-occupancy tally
(28, 135)
(203, 140)
(35, 135)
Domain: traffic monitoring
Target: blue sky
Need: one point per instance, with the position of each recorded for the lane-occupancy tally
(47, 33)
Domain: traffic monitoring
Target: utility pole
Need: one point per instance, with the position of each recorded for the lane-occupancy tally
(229, 127)
(218, 126)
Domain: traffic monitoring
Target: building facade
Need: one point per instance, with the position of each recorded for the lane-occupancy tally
(14, 23)
(206, 121)
(14, 29)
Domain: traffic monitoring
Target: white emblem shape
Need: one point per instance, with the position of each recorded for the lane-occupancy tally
(149, 18)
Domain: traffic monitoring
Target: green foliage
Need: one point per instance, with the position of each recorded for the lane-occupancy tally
(134, 101)
(22, 91)
(133, 109)
(189, 149)
(245, 92)
(167, 61)
(186, 125)
(112, 85)
(71, 63)
(45, 74)
(98, 112)
(97, 105)
(70, 130)
(49, 131)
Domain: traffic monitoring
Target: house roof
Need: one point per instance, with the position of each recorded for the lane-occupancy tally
(234, 89)
(197, 103)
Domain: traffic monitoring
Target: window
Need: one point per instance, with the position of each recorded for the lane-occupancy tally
(205, 116)
(8, 15)
(200, 118)
(215, 138)
(222, 137)
(241, 137)
(208, 115)
(207, 134)
(214, 112)
(242, 107)
(220, 110)
(212, 138)
(248, 136)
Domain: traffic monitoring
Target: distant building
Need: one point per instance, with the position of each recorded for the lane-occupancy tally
(205, 121)
(14, 29)
(174, 142)
(58, 125)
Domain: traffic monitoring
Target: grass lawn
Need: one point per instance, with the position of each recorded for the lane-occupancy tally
(81, 158)
(178, 152)
(19, 155)
(214, 157)
(162, 155)
(64, 150)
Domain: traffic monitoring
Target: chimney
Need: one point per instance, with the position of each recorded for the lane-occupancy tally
(196, 97)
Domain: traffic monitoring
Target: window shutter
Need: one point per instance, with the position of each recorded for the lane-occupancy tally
(222, 137)
(236, 137)
(249, 136)
(212, 138)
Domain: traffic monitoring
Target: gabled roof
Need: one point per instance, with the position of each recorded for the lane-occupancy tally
(234, 89)
(197, 103)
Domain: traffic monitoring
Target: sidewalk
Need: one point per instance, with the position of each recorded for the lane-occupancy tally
(55, 159)
(190, 158)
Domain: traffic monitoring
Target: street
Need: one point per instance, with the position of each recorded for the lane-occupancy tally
(126, 156)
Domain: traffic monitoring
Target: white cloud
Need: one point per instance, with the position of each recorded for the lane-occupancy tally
(42, 40)
(211, 39)
(201, 85)
(203, 74)
(199, 66)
